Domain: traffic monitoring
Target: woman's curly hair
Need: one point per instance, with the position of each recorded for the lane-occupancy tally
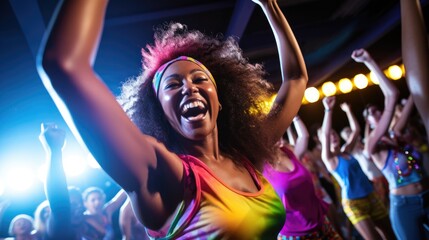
(240, 84)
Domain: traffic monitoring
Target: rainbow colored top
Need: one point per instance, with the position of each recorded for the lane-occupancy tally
(213, 210)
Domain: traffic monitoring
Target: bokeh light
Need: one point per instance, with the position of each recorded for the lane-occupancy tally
(19, 178)
(42, 172)
(394, 72)
(373, 78)
(345, 85)
(329, 88)
(311, 94)
(360, 81)
(74, 165)
(2, 188)
(92, 162)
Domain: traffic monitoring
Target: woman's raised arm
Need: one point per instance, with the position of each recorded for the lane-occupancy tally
(390, 93)
(65, 64)
(415, 54)
(301, 143)
(293, 71)
(354, 126)
(328, 158)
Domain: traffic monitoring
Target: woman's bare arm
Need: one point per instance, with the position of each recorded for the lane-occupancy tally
(404, 116)
(293, 69)
(354, 126)
(325, 134)
(115, 203)
(390, 93)
(301, 143)
(132, 159)
(415, 54)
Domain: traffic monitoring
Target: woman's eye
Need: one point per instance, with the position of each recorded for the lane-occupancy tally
(171, 85)
(200, 79)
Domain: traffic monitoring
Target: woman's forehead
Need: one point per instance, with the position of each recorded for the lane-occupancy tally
(182, 66)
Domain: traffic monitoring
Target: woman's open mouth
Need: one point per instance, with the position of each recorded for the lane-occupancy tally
(194, 110)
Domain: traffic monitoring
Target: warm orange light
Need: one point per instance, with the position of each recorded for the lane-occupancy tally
(345, 85)
(374, 78)
(329, 88)
(394, 72)
(360, 81)
(311, 95)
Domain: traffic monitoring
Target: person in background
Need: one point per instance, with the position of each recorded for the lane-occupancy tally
(329, 189)
(357, 149)
(190, 156)
(306, 213)
(313, 160)
(41, 216)
(98, 214)
(21, 228)
(361, 205)
(66, 220)
(399, 161)
(130, 226)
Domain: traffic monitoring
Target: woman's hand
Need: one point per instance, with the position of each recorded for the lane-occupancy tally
(329, 102)
(52, 137)
(361, 55)
(345, 107)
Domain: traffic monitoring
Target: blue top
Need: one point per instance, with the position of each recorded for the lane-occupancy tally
(353, 181)
(403, 167)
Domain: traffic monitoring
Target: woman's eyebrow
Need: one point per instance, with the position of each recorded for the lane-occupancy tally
(176, 75)
(198, 70)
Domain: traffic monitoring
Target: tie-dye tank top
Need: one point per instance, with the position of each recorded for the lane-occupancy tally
(213, 210)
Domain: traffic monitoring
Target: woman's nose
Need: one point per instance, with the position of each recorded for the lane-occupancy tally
(189, 88)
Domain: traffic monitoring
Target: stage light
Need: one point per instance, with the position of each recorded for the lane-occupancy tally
(360, 81)
(311, 94)
(92, 162)
(2, 188)
(373, 78)
(345, 85)
(329, 88)
(74, 165)
(394, 72)
(265, 105)
(42, 172)
(19, 178)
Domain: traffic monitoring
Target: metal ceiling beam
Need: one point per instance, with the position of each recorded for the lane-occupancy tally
(240, 18)
(31, 22)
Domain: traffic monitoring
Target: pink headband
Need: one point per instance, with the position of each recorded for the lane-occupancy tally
(156, 82)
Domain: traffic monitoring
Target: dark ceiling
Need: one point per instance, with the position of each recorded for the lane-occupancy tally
(327, 31)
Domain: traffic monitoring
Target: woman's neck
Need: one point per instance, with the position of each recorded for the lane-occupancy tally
(206, 149)
(335, 150)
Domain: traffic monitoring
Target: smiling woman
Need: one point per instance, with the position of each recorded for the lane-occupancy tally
(237, 128)
(189, 151)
